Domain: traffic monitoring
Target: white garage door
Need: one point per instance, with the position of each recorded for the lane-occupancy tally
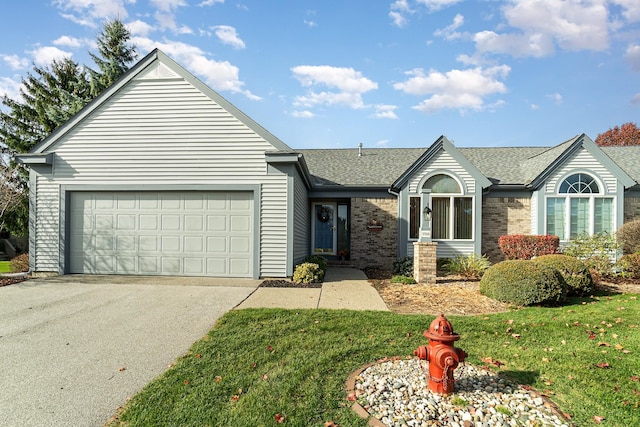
(161, 233)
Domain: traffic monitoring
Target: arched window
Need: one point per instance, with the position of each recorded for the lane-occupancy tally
(451, 213)
(579, 208)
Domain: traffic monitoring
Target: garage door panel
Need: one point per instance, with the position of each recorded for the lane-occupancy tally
(156, 233)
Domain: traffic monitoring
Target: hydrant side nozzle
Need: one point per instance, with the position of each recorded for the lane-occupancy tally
(422, 352)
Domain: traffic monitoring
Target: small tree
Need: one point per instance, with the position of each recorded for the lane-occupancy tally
(13, 203)
(627, 134)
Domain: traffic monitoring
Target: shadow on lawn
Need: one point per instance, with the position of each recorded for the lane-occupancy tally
(521, 377)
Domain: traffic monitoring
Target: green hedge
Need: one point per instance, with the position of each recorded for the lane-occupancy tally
(523, 282)
(574, 272)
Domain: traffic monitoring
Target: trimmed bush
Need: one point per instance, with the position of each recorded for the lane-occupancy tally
(308, 272)
(597, 251)
(20, 263)
(470, 266)
(317, 259)
(628, 237)
(403, 279)
(403, 266)
(523, 283)
(574, 272)
(521, 246)
(630, 265)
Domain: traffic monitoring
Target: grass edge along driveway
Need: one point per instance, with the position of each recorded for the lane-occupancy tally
(264, 367)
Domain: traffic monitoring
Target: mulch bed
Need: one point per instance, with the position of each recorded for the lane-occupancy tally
(457, 295)
(5, 281)
(278, 283)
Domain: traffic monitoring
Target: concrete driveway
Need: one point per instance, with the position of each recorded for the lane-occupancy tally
(73, 348)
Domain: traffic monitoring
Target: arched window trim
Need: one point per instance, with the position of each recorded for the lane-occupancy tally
(456, 178)
(595, 178)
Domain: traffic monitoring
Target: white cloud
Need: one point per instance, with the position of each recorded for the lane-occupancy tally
(15, 62)
(383, 143)
(87, 12)
(632, 55)
(631, 9)
(455, 89)
(399, 11)
(167, 21)
(10, 87)
(385, 112)
(449, 32)
(555, 97)
(350, 85)
(220, 75)
(310, 24)
(68, 41)
(139, 28)
(434, 5)
(534, 106)
(519, 45)
(228, 35)
(636, 99)
(46, 54)
(210, 2)
(305, 114)
(167, 5)
(570, 24)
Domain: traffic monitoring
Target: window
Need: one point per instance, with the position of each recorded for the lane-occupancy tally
(445, 200)
(414, 217)
(579, 208)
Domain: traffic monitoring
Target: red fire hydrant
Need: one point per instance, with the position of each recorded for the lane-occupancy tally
(443, 357)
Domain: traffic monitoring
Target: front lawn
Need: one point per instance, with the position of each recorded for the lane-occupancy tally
(271, 367)
(5, 267)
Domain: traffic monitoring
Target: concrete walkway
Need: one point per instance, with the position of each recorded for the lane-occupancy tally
(343, 288)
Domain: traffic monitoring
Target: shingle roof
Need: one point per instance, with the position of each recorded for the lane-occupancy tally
(380, 167)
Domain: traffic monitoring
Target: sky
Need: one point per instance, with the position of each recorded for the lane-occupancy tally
(384, 73)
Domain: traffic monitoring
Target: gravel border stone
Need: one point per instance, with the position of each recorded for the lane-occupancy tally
(394, 393)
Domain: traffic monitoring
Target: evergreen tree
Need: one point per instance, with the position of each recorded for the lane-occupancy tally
(49, 97)
(115, 54)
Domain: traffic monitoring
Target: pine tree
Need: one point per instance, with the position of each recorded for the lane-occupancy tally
(49, 97)
(115, 54)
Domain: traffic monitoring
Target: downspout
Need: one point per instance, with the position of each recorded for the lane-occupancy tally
(390, 191)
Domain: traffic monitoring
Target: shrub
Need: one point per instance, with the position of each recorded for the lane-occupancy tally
(317, 259)
(20, 263)
(630, 265)
(574, 272)
(628, 237)
(597, 251)
(521, 246)
(308, 272)
(403, 279)
(403, 266)
(472, 266)
(523, 283)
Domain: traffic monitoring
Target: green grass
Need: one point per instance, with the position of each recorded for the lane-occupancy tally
(255, 364)
(5, 267)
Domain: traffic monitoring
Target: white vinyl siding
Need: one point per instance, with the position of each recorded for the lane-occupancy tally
(165, 131)
(46, 226)
(583, 161)
(445, 163)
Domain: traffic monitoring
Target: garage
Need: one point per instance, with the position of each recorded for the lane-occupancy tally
(161, 233)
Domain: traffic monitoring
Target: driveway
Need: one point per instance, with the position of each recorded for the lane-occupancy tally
(73, 348)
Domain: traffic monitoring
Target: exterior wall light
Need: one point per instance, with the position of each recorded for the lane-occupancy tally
(426, 213)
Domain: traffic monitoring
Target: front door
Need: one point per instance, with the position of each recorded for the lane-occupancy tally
(324, 229)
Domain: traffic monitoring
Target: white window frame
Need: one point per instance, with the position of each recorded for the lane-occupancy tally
(452, 198)
(602, 194)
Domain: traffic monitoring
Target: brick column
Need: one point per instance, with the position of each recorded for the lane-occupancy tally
(424, 262)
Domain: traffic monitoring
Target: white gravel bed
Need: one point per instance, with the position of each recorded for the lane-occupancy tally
(396, 393)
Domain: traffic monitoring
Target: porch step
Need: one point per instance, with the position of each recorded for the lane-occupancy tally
(335, 263)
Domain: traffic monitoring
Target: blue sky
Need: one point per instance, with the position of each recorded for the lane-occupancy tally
(334, 73)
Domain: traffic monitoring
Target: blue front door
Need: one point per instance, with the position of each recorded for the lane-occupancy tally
(324, 229)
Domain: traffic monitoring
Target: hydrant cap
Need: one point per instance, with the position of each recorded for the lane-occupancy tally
(441, 330)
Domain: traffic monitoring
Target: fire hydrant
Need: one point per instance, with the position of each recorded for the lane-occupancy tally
(441, 354)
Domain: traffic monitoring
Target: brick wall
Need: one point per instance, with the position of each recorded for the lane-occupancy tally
(424, 262)
(631, 208)
(374, 248)
(500, 216)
